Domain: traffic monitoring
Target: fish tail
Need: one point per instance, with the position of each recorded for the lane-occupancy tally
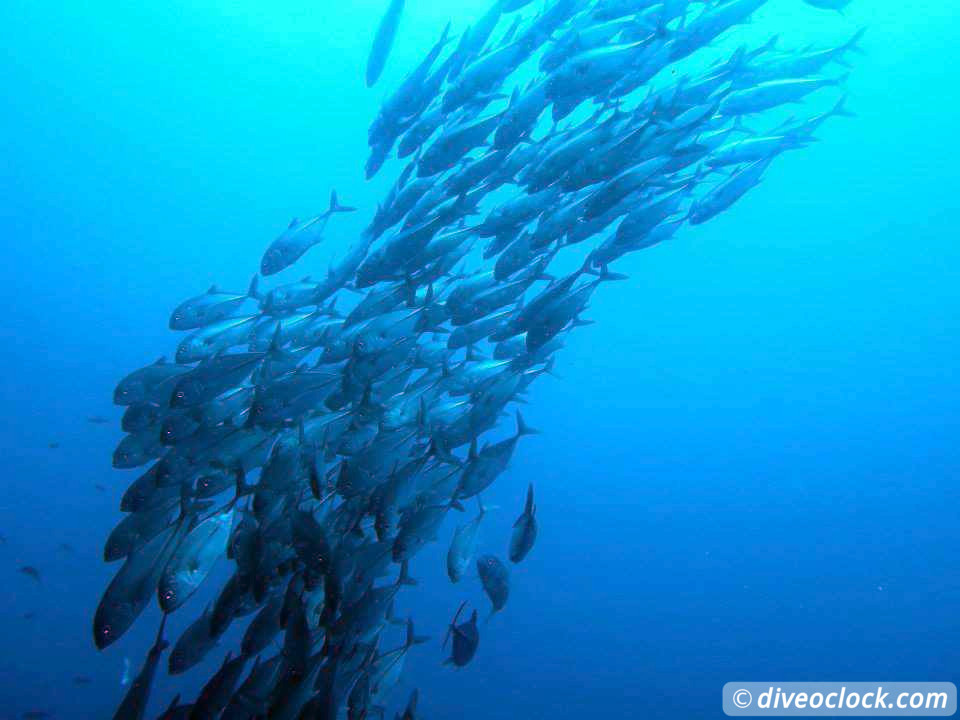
(605, 274)
(840, 80)
(404, 577)
(853, 44)
(336, 207)
(523, 428)
(412, 637)
(840, 110)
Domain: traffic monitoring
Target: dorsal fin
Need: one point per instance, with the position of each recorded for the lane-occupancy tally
(293, 223)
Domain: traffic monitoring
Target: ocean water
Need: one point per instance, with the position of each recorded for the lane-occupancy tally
(746, 467)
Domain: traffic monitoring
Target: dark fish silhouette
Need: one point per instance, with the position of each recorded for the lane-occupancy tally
(31, 572)
(495, 578)
(524, 530)
(465, 636)
(134, 703)
(383, 41)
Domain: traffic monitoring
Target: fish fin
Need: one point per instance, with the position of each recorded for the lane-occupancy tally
(523, 428)
(529, 507)
(412, 637)
(336, 207)
(253, 291)
(404, 577)
(276, 342)
(453, 625)
(293, 223)
(853, 44)
(443, 454)
(840, 109)
(605, 274)
(548, 368)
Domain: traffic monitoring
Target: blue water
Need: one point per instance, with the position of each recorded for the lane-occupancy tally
(747, 471)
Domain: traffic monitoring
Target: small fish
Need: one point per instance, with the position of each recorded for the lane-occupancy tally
(82, 680)
(383, 41)
(466, 638)
(463, 546)
(524, 530)
(134, 703)
(210, 307)
(31, 572)
(53, 445)
(495, 578)
(98, 420)
(298, 238)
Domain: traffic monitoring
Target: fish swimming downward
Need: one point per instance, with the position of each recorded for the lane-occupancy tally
(316, 450)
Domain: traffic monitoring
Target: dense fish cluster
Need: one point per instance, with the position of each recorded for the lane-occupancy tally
(318, 433)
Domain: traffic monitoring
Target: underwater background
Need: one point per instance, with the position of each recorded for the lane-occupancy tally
(746, 468)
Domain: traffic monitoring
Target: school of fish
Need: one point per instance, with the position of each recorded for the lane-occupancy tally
(317, 433)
